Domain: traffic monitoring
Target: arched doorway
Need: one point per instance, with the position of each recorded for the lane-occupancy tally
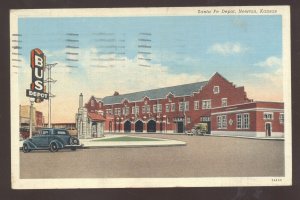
(151, 126)
(139, 126)
(127, 126)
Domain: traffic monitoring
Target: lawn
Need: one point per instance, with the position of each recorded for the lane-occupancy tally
(127, 139)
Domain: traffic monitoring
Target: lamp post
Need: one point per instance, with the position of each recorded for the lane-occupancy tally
(31, 116)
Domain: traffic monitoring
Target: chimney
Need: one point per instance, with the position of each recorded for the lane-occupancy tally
(80, 100)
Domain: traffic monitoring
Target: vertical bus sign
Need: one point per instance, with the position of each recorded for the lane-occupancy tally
(37, 89)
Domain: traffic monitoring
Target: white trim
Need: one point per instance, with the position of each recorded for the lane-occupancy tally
(255, 134)
(268, 113)
(217, 88)
(249, 109)
(246, 103)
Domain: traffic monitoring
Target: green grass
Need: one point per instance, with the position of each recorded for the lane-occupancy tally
(126, 139)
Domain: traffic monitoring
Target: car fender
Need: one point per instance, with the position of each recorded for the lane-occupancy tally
(58, 143)
(30, 144)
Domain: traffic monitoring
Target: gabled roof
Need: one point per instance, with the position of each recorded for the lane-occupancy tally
(160, 93)
(96, 117)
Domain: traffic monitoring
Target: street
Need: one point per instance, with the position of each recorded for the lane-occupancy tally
(203, 156)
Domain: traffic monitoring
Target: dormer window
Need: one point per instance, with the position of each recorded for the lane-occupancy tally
(216, 90)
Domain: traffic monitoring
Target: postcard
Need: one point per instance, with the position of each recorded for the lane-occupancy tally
(150, 97)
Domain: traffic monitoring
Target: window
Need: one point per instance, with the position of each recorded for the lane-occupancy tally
(173, 107)
(159, 108)
(92, 103)
(132, 110)
(61, 132)
(123, 111)
(143, 109)
(206, 104)
(281, 118)
(188, 120)
(108, 111)
(137, 109)
(167, 107)
(243, 121)
(181, 106)
(126, 110)
(147, 108)
(187, 106)
(222, 122)
(224, 102)
(196, 105)
(116, 111)
(216, 90)
(45, 132)
(154, 109)
(246, 121)
(119, 111)
(268, 116)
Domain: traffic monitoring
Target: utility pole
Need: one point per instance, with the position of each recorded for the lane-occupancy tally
(50, 81)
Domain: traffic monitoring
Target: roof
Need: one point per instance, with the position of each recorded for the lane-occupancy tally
(160, 93)
(96, 117)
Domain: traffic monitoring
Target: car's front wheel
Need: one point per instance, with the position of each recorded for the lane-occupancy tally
(26, 148)
(53, 147)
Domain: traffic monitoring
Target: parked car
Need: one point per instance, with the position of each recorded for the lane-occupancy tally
(52, 139)
(199, 129)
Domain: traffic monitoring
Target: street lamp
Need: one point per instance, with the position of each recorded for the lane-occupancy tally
(31, 116)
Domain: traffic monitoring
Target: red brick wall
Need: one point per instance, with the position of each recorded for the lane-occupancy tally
(257, 121)
(236, 99)
(39, 119)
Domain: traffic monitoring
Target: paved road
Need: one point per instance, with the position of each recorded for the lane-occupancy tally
(201, 157)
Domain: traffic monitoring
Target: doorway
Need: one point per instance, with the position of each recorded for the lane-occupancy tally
(139, 126)
(268, 129)
(127, 127)
(179, 127)
(151, 126)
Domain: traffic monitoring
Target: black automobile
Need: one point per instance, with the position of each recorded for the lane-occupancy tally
(52, 139)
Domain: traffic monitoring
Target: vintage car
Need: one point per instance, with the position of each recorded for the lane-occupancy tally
(52, 139)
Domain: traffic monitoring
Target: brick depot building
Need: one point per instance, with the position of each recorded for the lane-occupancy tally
(217, 103)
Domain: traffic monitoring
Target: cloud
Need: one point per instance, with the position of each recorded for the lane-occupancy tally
(100, 76)
(227, 48)
(270, 62)
(119, 73)
(267, 85)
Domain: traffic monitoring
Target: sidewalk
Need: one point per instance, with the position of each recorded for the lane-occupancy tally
(96, 143)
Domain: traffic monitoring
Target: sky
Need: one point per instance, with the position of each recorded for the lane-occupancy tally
(100, 55)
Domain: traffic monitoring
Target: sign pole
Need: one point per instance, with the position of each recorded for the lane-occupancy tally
(50, 81)
(49, 100)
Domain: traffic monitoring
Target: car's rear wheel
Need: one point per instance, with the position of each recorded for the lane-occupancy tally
(26, 148)
(74, 141)
(53, 147)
